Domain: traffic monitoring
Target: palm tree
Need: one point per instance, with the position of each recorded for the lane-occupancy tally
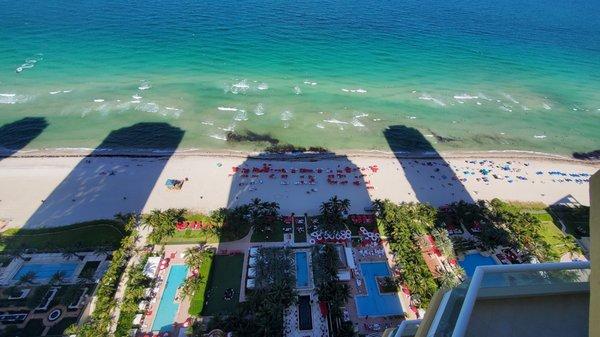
(57, 277)
(448, 280)
(27, 278)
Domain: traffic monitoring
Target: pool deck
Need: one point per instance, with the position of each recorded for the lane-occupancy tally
(182, 313)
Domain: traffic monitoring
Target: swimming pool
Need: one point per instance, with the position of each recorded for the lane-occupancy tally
(44, 271)
(167, 308)
(474, 260)
(304, 313)
(374, 303)
(301, 269)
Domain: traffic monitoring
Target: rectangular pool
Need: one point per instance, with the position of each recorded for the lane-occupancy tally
(44, 271)
(167, 308)
(304, 313)
(301, 269)
(374, 303)
(472, 261)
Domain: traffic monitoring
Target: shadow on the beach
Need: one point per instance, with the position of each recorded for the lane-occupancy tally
(299, 183)
(104, 183)
(16, 135)
(430, 176)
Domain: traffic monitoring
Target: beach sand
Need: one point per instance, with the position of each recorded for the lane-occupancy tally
(44, 189)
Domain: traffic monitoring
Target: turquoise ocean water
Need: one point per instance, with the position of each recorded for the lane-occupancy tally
(505, 74)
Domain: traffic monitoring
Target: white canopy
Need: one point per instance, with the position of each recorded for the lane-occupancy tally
(137, 319)
(253, 251)
(251, 272)
(344, 275)
(252, 261)
(250, 283)
(350, 258)
(151, 266)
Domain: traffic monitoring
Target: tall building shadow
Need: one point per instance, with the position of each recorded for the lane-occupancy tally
(300, 183)
(16, 135)
(104, 183)
(431, 177)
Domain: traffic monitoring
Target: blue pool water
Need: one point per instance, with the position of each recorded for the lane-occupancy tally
(45, 271)
(374, 303)
(167, 309)
(301, 269)
(471, 262)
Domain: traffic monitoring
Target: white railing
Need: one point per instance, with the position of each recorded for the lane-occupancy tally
(462, 321)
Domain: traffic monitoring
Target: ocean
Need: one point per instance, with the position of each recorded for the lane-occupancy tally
(468, 75)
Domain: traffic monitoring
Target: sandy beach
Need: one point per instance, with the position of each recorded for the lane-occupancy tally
(53, 188)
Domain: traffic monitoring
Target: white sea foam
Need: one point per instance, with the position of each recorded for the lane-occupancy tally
(525, 108)
(262, 86)
(510, 98)
(357, 123)
(241, 115)
(297, 90)
(136, 97)
(505, 108)
(356, 91)
(67, 91)
(361, 115)
(230, 128)
(546, 106)
(29, 63)
(98, 100)
(376, 119)
(320, 126)
(148, 107)
(135, 101)
(219, 137)
(539, 136)
(13, 98)
(427, 97)
(172, 108)
(207, 123)
(259, 110)
(225, 108)
(286, 115)
(334, 121)
(310, 83)
(483, 96)
(55, 92)
(411, 117)
(463, 97)
(145, 85)
(239, 88)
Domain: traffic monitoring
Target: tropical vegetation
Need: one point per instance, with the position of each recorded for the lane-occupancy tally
(404, 224)
(100, 320)
(332, 214)
(261, 315)
(134, 293)
(330, 290)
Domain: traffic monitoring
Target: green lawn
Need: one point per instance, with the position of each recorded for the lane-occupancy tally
(84, 236)
(550, 231)
(275, 235)
(191, 236)
(226, 273)
(197, 302)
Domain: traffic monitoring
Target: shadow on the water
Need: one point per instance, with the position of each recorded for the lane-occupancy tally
(431, 177)
(299, 183)
(104, 183)
(16, 135)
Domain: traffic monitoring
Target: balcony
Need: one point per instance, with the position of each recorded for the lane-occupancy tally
(548, 299)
